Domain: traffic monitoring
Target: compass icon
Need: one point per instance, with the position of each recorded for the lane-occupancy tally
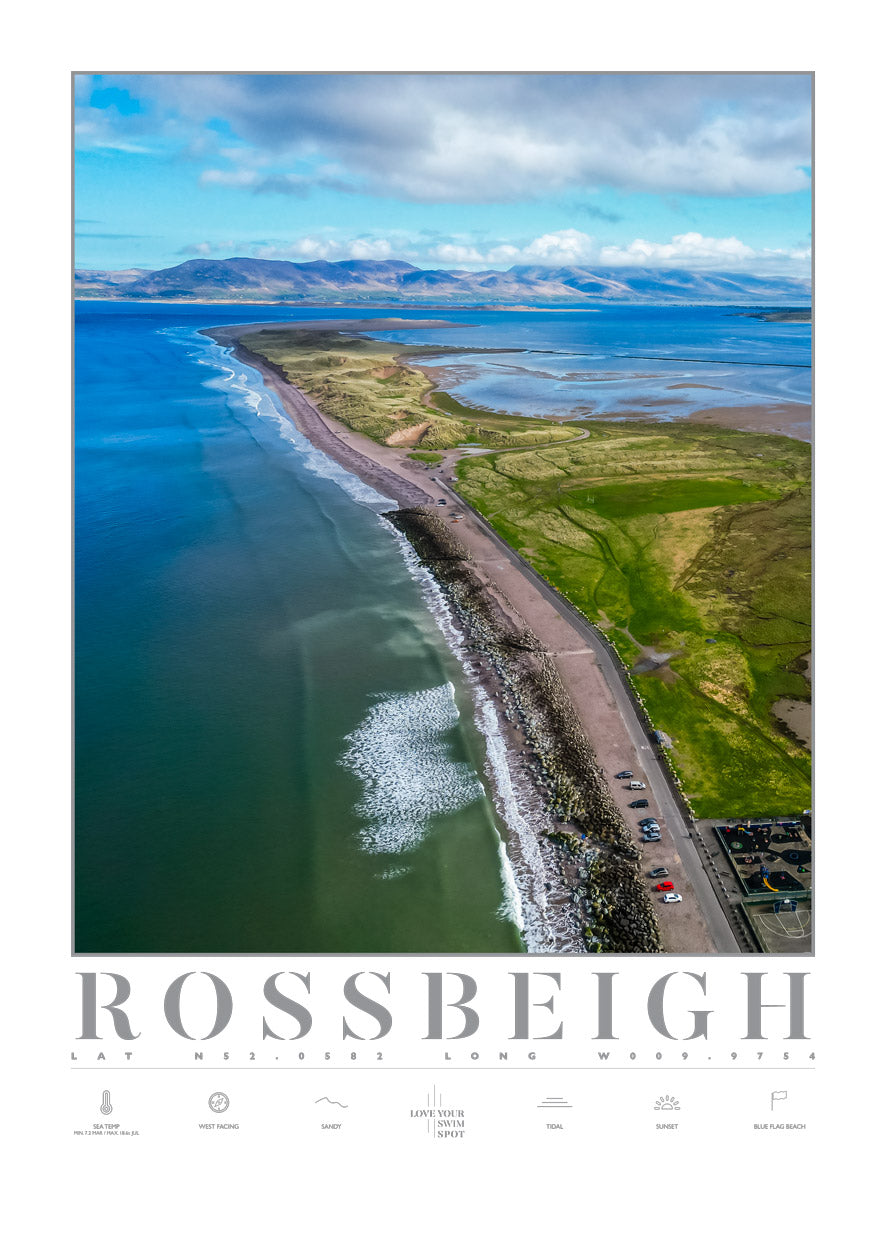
(219, 1102)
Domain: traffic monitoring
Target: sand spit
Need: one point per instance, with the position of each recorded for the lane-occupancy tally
(319, 431)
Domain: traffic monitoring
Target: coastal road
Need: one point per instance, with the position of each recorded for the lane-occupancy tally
(674, 820)
(379, 465)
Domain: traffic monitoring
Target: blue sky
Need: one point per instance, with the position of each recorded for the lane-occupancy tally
(475, 171)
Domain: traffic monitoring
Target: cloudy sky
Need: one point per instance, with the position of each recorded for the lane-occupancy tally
(471, 171)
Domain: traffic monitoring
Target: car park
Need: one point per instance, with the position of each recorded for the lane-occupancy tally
(669, 886)
(641, 804)
(672, 897)
(648, 822)
(624, 774)
(660, 871)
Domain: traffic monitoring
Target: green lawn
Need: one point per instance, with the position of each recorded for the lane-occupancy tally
(691, 540)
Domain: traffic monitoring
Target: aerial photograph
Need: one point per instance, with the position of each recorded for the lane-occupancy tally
(443, 513)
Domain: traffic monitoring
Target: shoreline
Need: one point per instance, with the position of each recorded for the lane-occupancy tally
(316, 426)
(588, 888)
(603, 720)
(792, 419)
(544, 878)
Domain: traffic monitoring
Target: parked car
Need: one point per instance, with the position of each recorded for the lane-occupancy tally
(636, 785)
(672, 898)
(669, 886)
(659, 872)
(641, 804)
(652, 837)
(648, 822)
(624, 774)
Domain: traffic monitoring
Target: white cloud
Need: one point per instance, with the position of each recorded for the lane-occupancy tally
(564, 247)
(202, 249)
(458, 255)
(683, 250)
(567, 247)
(503, 256)
(499, 137)
(332, 249)
(364, 248)
(561, 248)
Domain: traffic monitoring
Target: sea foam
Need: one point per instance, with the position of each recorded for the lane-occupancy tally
(400, 755)
(517, 803)
(246, 387)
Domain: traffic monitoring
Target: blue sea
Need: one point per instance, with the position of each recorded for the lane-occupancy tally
(278, 746)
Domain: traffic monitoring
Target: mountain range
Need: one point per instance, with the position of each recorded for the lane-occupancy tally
(391, 282)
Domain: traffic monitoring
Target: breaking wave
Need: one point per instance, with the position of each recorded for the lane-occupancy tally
(517, 803)
(401, 756)
(246, 386)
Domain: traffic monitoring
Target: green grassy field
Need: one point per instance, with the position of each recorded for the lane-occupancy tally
(688, 540)
(368, 385)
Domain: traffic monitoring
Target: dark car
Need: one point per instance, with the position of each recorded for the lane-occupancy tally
(648, 822)
(624, 775)
(641, 804)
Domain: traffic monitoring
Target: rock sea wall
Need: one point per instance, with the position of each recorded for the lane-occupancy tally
(587, 828)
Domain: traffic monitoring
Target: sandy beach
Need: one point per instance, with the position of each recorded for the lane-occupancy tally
(602, 703)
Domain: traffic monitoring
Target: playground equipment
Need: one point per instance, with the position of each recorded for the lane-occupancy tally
(764, 874)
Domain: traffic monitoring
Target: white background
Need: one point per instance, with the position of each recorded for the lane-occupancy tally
(278, 1173)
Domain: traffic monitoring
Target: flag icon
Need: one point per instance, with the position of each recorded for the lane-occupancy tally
(777, 1095)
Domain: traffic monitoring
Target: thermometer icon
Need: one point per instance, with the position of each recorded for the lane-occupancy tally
(106, 1107)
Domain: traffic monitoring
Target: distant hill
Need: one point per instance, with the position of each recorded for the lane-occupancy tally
(268, 280)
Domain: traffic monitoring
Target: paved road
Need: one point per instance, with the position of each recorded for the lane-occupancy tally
(675, 822)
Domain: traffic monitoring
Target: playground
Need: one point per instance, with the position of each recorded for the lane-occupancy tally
(771, 860)
(768, 856)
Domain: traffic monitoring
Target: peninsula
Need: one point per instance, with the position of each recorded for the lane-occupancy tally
(571, 716)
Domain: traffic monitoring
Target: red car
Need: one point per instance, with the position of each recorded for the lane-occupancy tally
(665, 887)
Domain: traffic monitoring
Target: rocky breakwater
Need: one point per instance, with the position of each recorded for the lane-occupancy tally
(592, 850)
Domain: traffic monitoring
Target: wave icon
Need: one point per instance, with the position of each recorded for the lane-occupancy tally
(332, 1102)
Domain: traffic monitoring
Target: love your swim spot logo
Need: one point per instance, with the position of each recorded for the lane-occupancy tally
(446, 1123)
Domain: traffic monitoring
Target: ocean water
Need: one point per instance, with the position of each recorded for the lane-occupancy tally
(275, 745)
(278, 745)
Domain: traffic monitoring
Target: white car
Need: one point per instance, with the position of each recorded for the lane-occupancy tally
(672, 897)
